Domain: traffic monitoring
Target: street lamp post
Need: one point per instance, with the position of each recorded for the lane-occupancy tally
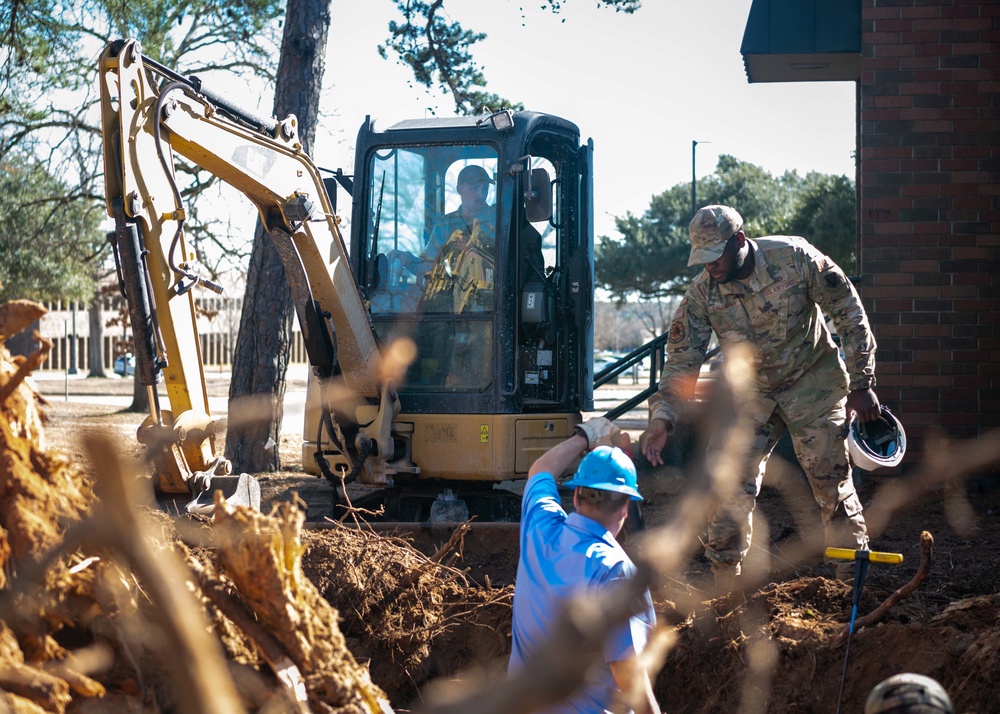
(694, 176)
(72, 342)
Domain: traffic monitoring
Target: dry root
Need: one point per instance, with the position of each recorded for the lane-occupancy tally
(262, 555)
(926, 546)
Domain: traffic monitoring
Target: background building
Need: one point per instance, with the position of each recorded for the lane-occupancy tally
(69, 330)
(928, 182)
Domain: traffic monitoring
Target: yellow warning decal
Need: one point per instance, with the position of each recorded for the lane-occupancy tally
(484, 433)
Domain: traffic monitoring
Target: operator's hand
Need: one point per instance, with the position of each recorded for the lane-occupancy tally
(653, 441)
(599, 432)
(865, 404)
(402, 256)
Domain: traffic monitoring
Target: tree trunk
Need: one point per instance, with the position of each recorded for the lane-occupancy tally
(95, 349)
(257, 389)
(140, 397)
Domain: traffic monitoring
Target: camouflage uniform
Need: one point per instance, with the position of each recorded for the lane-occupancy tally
(801, 382)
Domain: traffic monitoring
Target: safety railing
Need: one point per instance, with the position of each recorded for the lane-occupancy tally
(655, 351)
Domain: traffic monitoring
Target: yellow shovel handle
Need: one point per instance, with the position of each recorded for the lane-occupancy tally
(871, 555)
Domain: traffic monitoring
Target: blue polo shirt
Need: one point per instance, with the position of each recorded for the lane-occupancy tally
(562, 555)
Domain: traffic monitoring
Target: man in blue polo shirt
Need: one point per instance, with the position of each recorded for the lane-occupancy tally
(565, 556)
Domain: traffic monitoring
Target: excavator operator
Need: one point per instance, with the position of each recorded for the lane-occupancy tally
(455, 272)
(458, 261)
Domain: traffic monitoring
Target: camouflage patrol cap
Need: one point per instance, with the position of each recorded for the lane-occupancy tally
(710, 228)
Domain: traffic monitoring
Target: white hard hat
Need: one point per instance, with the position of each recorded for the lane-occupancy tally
(908, 693)
(876, 444)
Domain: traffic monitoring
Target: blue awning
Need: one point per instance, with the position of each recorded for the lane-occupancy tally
(803, 41)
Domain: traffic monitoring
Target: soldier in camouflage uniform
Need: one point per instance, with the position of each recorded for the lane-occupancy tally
(769, 293)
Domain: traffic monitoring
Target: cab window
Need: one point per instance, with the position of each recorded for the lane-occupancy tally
(432, 255)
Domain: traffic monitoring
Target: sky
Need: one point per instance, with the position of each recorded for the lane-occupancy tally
(642, 86)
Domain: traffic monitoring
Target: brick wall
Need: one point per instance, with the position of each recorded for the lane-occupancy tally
(929, 210)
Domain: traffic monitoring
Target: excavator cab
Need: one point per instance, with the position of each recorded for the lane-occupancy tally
(473, 240)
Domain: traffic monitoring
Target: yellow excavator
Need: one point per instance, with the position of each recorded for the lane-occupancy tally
(495, 213)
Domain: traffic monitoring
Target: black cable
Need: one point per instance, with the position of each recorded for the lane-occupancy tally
(178, 203)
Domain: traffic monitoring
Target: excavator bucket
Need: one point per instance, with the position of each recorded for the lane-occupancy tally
(239, 490)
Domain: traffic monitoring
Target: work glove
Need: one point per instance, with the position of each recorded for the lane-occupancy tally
(599, 432)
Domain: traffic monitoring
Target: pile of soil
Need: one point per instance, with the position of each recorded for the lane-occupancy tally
(780, 647)
(108, 605)
(407, 618)
(774, 651)
(414, 619)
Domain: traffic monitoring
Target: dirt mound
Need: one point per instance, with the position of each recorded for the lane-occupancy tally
(412, 616)
(131, 610)
(774, 652)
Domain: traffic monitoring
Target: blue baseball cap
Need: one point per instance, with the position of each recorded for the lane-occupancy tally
(607, 468)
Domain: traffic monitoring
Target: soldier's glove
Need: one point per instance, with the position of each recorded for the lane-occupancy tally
(599, 432)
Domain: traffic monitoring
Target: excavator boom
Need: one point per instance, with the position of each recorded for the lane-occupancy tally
(144, 123)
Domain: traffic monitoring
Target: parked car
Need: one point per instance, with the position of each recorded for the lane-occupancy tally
(603, 360)
(125, 365)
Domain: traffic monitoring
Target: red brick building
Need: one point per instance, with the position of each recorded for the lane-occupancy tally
(928, 182)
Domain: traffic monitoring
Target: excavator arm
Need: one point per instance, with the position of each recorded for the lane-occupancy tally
(149, 113)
